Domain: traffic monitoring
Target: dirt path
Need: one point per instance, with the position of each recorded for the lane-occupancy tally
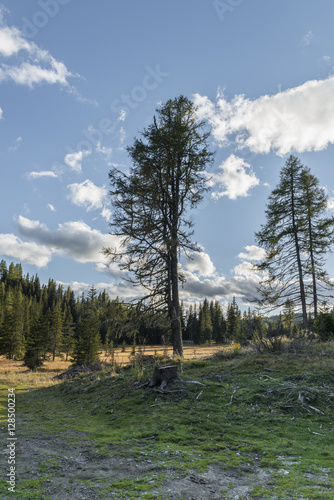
(71, 468)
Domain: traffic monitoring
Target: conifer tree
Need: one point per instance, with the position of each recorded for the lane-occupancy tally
(11, 330)
(68, 341)
(233, 321)
(56, 330)
(218, 322)
(296, 236)
(88, 344)
(317, 236)
(35, 345)
(205, 324)
(151, 205)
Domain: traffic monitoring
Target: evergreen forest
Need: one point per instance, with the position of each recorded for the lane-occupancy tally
(42, 321)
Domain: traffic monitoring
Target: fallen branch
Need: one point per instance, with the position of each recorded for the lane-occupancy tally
(316, 409)
(235, 390)
(199, 394)
(190, 382)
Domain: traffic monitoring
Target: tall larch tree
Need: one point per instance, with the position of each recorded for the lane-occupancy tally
(152, 202)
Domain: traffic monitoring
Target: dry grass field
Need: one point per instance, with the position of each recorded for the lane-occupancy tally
(12, 371)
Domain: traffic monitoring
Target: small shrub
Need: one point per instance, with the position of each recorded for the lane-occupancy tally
(32, 360)
(324, 326)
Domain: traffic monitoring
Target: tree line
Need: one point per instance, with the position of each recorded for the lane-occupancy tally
(39, 321)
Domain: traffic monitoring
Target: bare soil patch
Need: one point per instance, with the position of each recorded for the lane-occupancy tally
(71, 468)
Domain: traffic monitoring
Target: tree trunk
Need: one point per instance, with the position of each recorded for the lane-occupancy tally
(315, 296)
(174, 313)
(299, 264)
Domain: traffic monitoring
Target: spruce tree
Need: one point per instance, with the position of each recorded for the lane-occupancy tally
(205, 324)
(88, 344)
(35, 345)
(11, 329)
(68, 341)
(233, 320)
(56, 330)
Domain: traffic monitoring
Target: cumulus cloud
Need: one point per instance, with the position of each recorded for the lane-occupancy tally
(219, 288)
(14, 248)
(242, 283)
(51, 207)
(74, 239)
(299, 119)
(33, 65)
(200, 263)
(87, 195)
(235, 178)
(42, 173)
(252, 253)
(74, 160)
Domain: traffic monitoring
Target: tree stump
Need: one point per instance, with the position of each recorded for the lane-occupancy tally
(162, 375)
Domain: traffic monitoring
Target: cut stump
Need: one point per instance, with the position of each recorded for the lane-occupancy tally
(162, 375)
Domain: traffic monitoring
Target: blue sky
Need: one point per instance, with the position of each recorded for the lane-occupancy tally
(80, 79)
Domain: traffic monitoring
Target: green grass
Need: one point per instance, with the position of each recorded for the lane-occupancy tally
(246, 415)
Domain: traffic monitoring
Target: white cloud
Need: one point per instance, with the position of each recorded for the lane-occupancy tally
(235, 179)
(253, 252)
(1, 113)
(39, 66)
(74, 239)
(219, 288)
(244, 269)
(11, 41)
(298, 119)
(42, 173)
(200, 263)
(106, 213)
(330, 204)
(87, 195)
(123, 289)
(51, 207)
(107, 152)
(13, 247)
(74, 160)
